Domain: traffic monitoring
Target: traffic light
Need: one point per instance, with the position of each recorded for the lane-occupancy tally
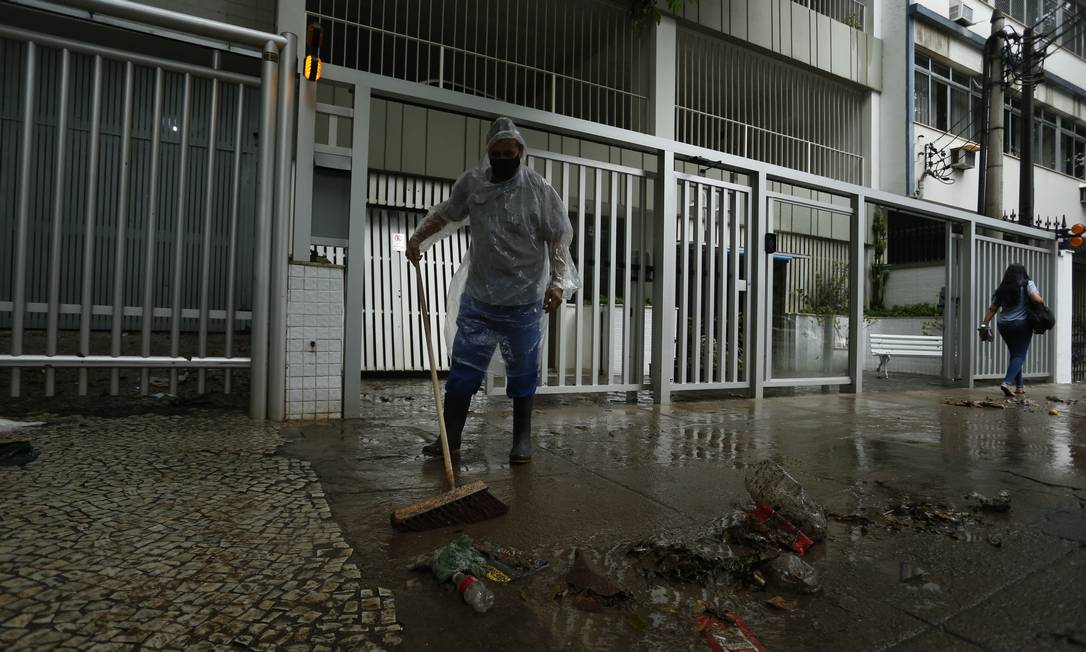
(1076, 240)
(1071, 237)
(314, 37)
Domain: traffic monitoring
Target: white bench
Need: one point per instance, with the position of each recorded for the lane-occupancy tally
(907, 346)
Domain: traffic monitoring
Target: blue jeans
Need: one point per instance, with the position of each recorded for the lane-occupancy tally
(480, 327)
(1017, 335)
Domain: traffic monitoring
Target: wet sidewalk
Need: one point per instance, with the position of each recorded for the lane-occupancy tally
(607, 474)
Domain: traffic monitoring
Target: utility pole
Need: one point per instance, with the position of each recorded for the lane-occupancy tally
(991, 179)
(1025, 178)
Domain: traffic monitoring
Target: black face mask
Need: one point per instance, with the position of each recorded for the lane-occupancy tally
(503, 169)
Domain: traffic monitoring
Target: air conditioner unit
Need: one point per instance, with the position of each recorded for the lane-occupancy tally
(961, 13)
(963, 158)
(1082, 193)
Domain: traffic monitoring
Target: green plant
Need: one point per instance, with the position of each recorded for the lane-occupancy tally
(853, 21)
(914, 310)
(880, 271)
(828, 294)
(646, 12)
(933, 327)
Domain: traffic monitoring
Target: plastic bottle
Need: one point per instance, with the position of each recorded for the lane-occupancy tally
(767, 482)
(474, 592)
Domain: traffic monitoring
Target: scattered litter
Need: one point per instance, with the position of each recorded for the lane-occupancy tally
(925, 515)
(996, 539)
(704, 556)
(1065, 401)
(769, 483)
(7, 425)
(17, 453)
(1001, 503)
(790, 572)
(728, 634)
(166, 396)
(986, 403)
(783, 604)
(780, 529)
(1054, 412)
(495, 575)
(592, 589)
(911, 574)
(509, 561)
(458, 556)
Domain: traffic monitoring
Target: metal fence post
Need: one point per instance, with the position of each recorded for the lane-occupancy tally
(258, 380)
(356, 242)
(663, 286)
(856, 273)
(762, 273)
(18, 312)
(280, 251)
(967, 335)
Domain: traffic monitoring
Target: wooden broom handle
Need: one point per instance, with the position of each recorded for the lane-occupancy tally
(425, 310)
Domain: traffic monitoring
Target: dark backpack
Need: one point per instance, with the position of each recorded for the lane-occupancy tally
(1040, 318)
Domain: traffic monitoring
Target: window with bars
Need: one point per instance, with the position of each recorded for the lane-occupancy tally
(947, 98)
(731, 99)
(1066, 19)
(1059, 142)
(580, 58)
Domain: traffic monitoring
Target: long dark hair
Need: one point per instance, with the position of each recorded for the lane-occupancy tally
(1009, 292)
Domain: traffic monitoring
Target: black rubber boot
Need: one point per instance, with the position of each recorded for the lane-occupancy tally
(521, 452)
(456, 413)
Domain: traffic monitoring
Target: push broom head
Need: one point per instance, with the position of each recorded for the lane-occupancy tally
(469, 503)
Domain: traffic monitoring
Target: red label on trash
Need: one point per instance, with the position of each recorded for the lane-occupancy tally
(782, 529)
(731, 635)
(465, 583)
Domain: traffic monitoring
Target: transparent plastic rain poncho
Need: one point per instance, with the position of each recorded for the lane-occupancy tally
(520, 237)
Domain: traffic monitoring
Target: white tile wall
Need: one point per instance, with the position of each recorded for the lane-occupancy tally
(315, 342)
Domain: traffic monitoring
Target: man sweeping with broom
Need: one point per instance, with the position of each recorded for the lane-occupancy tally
(519, 266)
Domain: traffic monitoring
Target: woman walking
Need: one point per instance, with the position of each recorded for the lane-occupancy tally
(1012, 301)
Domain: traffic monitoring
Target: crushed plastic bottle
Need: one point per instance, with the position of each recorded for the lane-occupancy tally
(781, 529)
(474, 592)
(769, 483)
(790, 572)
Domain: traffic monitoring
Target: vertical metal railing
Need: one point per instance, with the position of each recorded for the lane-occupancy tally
(595, 341)
(579, 58)
(711, 298)
(125, 207)
(992, 259)
(736, 101)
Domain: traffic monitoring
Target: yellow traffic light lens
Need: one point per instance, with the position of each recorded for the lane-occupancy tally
(1077, 242)
(1078, 229)
(312, 68)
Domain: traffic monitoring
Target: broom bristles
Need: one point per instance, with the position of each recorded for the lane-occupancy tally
(469, 503)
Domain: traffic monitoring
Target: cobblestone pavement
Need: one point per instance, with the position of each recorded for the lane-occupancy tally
(171, 532)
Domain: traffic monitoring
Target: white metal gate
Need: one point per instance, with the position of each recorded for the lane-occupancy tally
(992, 258)
(712, 294)
(597, 342)
(393, 335)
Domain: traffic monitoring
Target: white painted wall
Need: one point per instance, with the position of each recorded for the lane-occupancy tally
(1061, 334)
(910, 285)
(1054, 194)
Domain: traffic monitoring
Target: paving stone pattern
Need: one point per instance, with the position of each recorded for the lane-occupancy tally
(170, 532)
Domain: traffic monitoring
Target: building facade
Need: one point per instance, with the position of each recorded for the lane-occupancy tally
(744, 177)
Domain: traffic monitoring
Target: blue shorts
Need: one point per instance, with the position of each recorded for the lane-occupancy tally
(514, 330)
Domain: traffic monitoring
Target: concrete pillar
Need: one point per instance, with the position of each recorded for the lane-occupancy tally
(664, 44)
(1061, 301)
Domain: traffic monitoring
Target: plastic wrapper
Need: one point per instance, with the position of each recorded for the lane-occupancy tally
(519, 246)
(458, 556)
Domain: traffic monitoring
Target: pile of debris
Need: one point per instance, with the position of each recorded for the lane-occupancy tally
(758, 546)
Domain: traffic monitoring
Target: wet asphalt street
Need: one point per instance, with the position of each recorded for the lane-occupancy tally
(607, 474)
